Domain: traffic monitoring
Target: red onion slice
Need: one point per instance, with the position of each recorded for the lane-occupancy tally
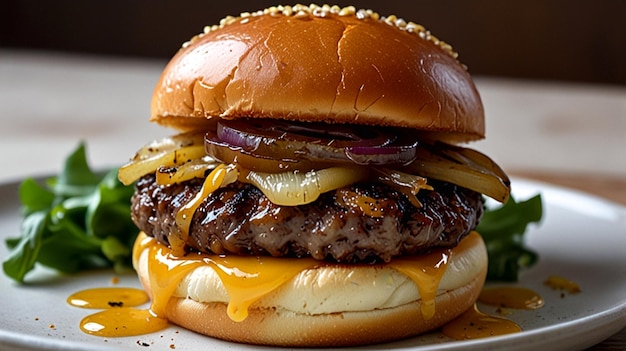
(319, 142)
(276, 146)
(401, 151)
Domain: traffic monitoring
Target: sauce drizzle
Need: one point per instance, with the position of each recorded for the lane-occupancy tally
(124, 321)
(119, 317)
(560, 283)
(474, 324)
(102, 298)
(511, 297)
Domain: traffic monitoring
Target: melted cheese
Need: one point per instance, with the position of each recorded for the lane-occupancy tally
(118, 316)
(220, 176)
(248, 279)
(560, 283)
(124, 321)
(426, 271)
(511, 297)
(474, 324)
(108, 298)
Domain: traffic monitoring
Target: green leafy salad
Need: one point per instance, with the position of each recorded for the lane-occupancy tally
(76, 221)
(80, 220)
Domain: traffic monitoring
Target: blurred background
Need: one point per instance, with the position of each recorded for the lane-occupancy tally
(570, 40)
(552, 75)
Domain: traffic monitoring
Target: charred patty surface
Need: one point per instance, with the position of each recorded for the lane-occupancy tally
(240, 219)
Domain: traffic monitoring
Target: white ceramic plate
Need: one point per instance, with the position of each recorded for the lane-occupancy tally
(582, 238)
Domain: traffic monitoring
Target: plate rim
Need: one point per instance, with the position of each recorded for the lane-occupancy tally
(610, 320)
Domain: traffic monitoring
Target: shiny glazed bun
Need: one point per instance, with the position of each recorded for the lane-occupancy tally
(320, 64)
(326, 305)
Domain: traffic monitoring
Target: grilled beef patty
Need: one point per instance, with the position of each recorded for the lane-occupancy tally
(240, 219)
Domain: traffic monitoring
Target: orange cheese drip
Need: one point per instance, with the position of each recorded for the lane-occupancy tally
(560, 283)
(220, 176)
(511, 297)
(165, 272)
(108, 298)
(118, 317)
(248, 279)
(125, 321)
(474, 324)
(427, 270)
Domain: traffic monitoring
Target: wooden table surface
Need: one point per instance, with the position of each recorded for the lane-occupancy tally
(611, 187)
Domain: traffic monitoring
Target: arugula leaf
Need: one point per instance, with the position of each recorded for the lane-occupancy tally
(503, 230)
(77, 220)
(34, 197)
(25, 250)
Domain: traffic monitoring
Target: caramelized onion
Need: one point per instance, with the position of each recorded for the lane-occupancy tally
(298, 188)
(167, 152)
(198, 168)
(461, 166)
(408, 184)
(271, 146)
(367, 205)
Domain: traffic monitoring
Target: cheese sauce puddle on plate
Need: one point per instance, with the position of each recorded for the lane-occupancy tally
(119, 316)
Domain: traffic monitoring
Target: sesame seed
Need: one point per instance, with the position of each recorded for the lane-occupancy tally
(411, 26)
(303, 11)
(288, 11)
(319, 12)
(362, 14)
(347, 11)
(301, 14)
(299, 7)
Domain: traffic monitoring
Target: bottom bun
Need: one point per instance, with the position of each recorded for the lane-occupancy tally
(352, 311)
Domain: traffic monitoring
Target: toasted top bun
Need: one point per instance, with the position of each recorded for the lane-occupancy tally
(313, 63)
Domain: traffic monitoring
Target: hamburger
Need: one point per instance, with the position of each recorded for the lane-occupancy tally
(316, 193)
